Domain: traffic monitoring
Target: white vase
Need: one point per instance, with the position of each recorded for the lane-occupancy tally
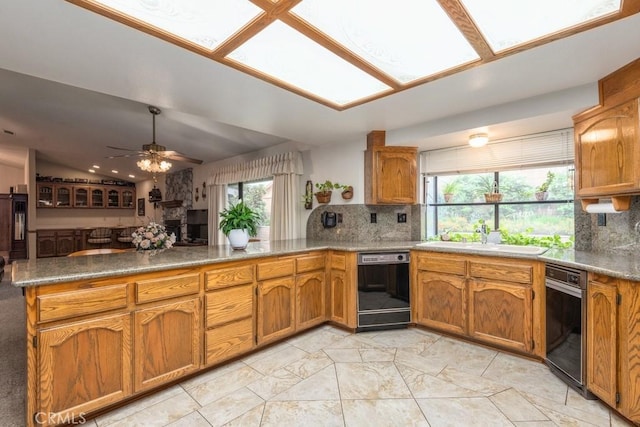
(238, 239)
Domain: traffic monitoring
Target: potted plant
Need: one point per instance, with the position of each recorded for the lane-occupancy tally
(542, 192)
(238, 223)
(323, 195)
(449, 190)
(494, 195)
(347, 192)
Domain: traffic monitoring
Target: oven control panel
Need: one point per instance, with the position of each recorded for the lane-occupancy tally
(383, 258)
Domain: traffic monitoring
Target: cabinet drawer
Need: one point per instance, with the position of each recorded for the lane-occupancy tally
(174, 286)
(228, 341)
(229, 304)
(231, 276)
(273, 269)
(81, 302)
(442, 264)
(338, 262)
(309, 263)
(516, 273)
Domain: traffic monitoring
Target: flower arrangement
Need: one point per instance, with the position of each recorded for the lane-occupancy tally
(152, 236)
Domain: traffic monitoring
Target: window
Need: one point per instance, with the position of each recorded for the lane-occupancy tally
(256, 195)
(519, 213)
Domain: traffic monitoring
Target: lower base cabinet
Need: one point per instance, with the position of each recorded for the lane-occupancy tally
(167, 341)
(343, 288)
(310, 300)
(488, 299)
(276, 309)
(101, 350)
(613, 343)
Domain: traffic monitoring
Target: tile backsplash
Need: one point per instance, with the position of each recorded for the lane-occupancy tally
(356, 223)
(620, 234)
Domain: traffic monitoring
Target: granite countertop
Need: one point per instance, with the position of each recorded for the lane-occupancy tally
(42, 271)
(623, 265)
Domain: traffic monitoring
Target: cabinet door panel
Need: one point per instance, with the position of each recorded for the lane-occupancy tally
(276, 309)
(500, 313)
(441, 301)
(629, 349)
(607, 152)
(602, 339)
(310, 300)
(84, 366)
(167, 343)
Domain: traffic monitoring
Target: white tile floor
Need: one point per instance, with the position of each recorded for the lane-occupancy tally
(410, 377)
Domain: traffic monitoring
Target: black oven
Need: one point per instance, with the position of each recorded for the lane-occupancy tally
(383, 290)
(566, 320)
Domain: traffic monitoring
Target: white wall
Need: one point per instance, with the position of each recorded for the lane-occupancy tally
(10, 177)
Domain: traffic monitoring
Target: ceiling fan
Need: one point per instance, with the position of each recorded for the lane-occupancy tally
(155, 152)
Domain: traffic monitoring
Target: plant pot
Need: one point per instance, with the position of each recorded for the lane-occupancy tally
(492, 197)
(347, 193)
(238, 239)
(323, 196)
(542, 195)
(448, 197)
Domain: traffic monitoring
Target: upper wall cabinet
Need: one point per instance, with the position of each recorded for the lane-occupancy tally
(59, 195)
(390, 172)
(607, 141)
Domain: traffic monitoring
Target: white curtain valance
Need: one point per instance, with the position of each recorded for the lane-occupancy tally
(284, 163)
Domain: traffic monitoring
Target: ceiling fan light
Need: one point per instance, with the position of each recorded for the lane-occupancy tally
(478, 140)
(153, 165)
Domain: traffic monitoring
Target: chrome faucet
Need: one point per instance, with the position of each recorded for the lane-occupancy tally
(484, 233)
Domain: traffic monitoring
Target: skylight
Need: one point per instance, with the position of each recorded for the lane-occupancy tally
(342, 53)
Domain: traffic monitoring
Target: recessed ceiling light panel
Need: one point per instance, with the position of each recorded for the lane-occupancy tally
(508, 23)
(405, 40)
(207, 23)
(287, 55)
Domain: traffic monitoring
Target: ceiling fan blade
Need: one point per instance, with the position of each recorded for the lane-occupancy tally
(179, 157)
(138, 154)
(118, 148)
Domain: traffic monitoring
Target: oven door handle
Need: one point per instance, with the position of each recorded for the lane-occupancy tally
(561, 287)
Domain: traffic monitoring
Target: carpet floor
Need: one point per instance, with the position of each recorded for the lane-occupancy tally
(12, 354)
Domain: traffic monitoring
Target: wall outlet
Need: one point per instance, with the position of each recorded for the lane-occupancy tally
(339, 218)
(374, 217)
(402, 217)
(602, 219)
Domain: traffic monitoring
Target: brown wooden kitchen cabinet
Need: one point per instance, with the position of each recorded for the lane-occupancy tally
(490, 300)
(229, 311)
(343, 288)
(51, 243)
(167, 338)
(167, 329)
(83, 366)
(311, 290)
(613, 340)
(276, 299)
(390, 172)
(440, 299)
(607, 152)
(83, 196)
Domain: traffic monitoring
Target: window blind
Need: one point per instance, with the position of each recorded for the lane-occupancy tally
(549, 148)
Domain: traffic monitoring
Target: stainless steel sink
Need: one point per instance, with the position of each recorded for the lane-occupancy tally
(489, 247)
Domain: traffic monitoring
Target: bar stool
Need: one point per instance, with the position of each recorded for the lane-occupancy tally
(100, 236)
(125, 235)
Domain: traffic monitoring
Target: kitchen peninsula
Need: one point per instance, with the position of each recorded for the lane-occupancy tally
(134, 322)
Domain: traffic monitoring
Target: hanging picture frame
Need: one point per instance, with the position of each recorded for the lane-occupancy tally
(141, 203)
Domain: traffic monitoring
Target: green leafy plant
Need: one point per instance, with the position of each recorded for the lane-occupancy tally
(450, 187)
(544, 187)
(327, 186)
(239, 216)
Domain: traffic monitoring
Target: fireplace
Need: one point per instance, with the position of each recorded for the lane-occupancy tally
(174, 226)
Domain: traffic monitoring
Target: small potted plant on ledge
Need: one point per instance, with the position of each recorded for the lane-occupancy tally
(449, 190)
(238, 223)
(542, 192)
(323, 195)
